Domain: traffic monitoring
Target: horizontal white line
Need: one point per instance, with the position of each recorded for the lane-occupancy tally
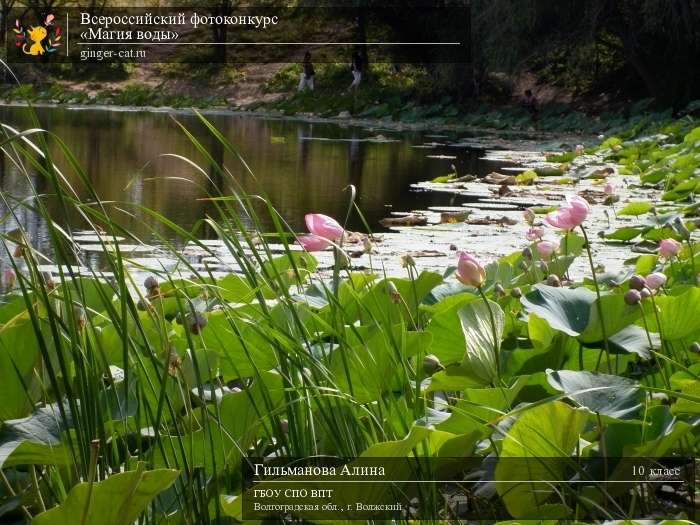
(468, 481)
(269, 43)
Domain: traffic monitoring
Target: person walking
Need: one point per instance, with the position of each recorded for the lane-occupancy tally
(306, 79)
(356, 68)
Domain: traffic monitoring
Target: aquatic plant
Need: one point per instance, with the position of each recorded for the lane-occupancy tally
(126, 397)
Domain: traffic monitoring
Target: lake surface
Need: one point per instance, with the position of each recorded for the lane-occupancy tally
(301, 166)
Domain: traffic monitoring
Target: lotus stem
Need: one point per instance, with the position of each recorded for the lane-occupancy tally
(599, 306)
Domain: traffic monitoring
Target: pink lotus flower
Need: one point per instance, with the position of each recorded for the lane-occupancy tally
(313, 243)
(469, 271)
(669, 248)
(570, 215)
(654, 281)
(546, 249)
(609, 189)
(324, 226)
(534, 233)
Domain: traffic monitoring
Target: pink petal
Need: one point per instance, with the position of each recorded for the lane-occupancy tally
(313, 243)
(324, 226)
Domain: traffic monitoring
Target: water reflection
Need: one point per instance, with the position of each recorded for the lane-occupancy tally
(301, 166)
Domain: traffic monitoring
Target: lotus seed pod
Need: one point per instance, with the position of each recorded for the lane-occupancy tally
(431, 364)
(637, 282)
(645, 293)
(695, 347)
(499, 290)
(517, 293)
(48, 280)
(197, 323)
(553, 280)
(393, 292)
(633, 297)
(681, 228)
(79, 315)
(407, 261)
(150, 283)
(527, 253)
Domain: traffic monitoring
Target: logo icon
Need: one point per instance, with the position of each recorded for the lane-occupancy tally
(40, 39)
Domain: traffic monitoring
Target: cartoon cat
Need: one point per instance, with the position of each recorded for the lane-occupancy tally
(36, 35)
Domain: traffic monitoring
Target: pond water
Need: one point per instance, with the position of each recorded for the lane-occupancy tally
(302, 166)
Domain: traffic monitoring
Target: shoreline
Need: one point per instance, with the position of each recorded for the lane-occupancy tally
(396, 126)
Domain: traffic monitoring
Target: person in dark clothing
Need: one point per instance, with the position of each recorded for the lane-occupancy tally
(530, 103)
(306, 79)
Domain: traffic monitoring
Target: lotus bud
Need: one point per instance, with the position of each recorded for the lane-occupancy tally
(10, 278)
(645, 293)
(499, 290)
(470, 271)
(527, 253)
(632, 297)
(542, 266)
(669, 248)
(655, 280)
(150, 282)
(142, 305)
(393, 292)
(637, 282)
(516, 293)
(546, 249)
(695, 347)
(553, 280)
(431, 364)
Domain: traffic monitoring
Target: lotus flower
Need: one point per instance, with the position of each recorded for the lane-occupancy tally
(313, 243)
(655, 280)
(546, 249)
(570, 215)
(324, 226)
(534, 233)
(469, 271)
(669, 248)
